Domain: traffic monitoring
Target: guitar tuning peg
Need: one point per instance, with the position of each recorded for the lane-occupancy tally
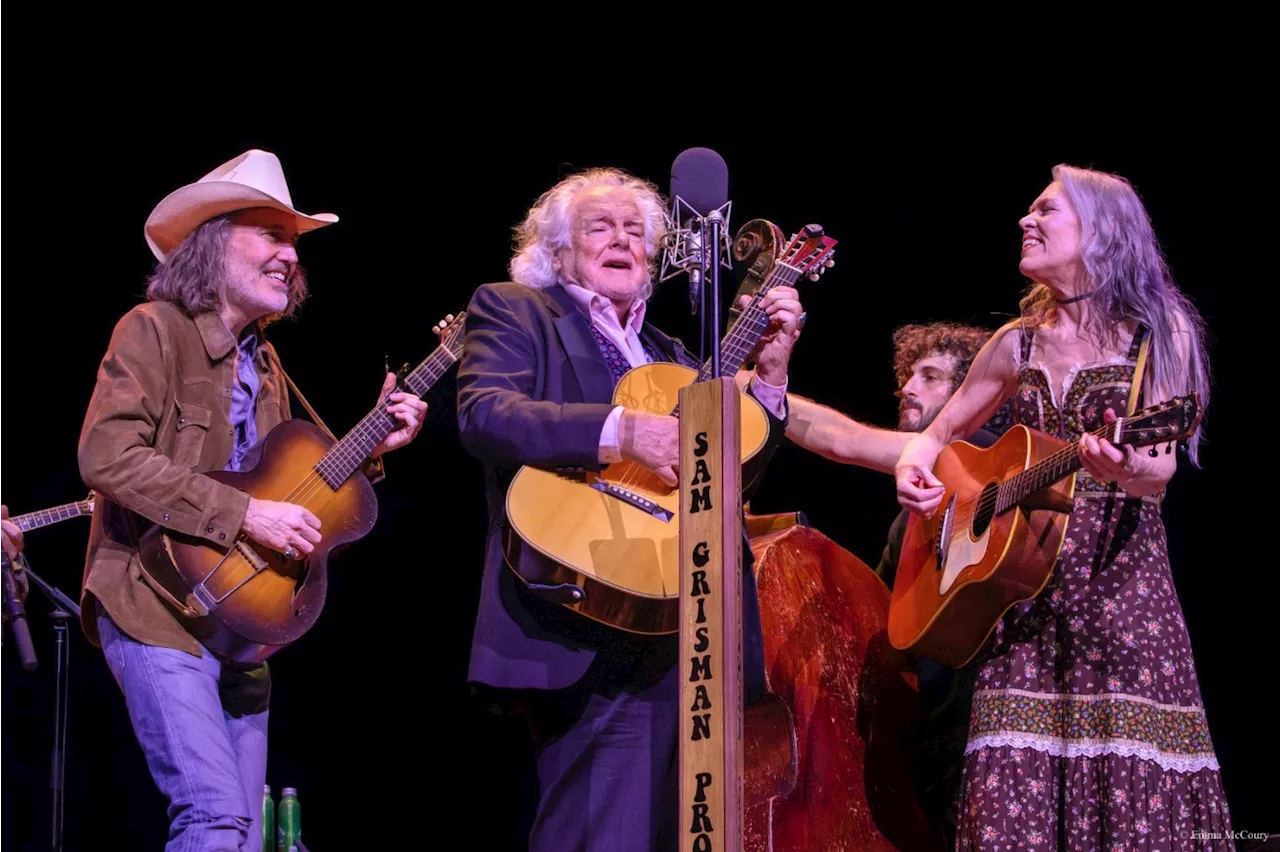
(813, 276)
(828, 263)
(1168, 448)
(1153, 452)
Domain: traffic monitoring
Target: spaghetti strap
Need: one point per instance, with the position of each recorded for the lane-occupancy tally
(1027, 339)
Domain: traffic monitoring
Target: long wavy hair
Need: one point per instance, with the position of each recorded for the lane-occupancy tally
(194, 275)
(1131, 281)
(545, 229)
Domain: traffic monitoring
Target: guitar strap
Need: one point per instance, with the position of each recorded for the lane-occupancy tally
(302, 399)
(1135, 387)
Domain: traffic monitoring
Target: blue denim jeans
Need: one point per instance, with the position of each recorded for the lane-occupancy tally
(209, 764)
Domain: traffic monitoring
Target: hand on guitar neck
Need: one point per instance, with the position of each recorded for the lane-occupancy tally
(292, 529)
(651, 441)
(408, 410)
(772, 353)
(1137, 476)
(284, 527)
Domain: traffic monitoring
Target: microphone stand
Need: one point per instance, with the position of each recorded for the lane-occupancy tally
(64, 609)
(703, 270)
(696, 280)
(698, 276)
(714, 223)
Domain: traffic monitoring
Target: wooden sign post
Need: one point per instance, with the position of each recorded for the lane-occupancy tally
(711, 695)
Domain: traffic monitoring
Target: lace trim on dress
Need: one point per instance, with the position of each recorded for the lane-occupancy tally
(1056, 396)
(1094, 748)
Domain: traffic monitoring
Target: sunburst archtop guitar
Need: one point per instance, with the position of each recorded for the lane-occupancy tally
(614, 536)
(246, 601)
(995, 538)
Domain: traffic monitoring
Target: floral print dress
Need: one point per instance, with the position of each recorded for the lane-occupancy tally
(1087, 729)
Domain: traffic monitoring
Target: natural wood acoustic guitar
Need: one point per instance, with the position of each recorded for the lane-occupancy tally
(615, 534)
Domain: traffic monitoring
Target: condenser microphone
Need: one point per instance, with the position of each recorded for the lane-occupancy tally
(699, 191)
(700, 178)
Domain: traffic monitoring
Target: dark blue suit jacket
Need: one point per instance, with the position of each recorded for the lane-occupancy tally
(534, 389)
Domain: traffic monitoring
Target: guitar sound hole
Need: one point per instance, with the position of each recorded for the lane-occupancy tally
(985, 510)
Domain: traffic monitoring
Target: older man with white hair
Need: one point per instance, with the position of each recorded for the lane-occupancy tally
(542, 357)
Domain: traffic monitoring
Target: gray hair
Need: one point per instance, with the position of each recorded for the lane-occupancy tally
(1131, 281)
(545, 229)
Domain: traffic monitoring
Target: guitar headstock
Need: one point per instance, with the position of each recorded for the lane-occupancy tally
(809, 251)
(450, 331)
(1175, 420)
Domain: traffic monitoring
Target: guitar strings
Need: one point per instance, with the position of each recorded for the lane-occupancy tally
(44, 517)
(1058, 457)
(314, 482)
(637, 476)
(987, 500)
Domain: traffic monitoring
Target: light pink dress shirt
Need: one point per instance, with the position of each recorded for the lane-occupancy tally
(627, 339)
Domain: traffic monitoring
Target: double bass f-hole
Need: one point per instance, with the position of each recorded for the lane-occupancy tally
(757, 245)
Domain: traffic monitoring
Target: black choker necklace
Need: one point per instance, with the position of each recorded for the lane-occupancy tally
(1076, 298)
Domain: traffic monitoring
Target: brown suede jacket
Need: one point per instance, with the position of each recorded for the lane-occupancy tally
(159, 418)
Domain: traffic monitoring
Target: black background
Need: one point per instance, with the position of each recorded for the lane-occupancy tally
(921, 184)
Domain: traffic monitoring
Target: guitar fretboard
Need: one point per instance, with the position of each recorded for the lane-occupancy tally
(1060, 465)
(751, 325)
(44, 517)
(346, 456)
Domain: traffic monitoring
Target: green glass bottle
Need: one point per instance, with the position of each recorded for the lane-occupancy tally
(268, 819)
(288, 820)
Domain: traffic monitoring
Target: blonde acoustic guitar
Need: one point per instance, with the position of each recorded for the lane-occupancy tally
(615, 534)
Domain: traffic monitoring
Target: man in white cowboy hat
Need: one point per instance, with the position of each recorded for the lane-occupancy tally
(188, 384)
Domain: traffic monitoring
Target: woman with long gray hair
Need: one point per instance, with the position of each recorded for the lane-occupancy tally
(1087, 728)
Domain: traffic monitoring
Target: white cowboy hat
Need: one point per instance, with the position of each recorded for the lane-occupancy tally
(253, 179)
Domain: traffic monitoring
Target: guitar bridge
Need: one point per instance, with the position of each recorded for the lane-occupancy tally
(633, 499)
(251, 556)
